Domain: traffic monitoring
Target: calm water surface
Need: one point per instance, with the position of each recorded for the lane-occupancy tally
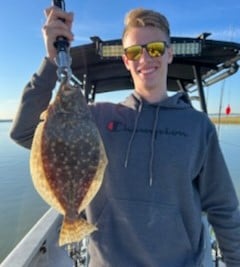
(229, 136)
(20, 205)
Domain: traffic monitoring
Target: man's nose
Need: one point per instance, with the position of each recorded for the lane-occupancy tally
(144, 56)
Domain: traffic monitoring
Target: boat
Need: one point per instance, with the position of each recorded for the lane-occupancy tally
(198, 62)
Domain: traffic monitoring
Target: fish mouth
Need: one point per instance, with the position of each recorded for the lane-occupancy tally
(68, 89)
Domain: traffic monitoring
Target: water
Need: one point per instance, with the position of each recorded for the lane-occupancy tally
(20, 205)
(229, 140)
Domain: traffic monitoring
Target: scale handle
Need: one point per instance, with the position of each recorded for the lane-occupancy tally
(61, 44)
(59, 3)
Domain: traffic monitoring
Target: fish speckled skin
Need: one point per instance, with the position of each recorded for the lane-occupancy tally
(68, 160)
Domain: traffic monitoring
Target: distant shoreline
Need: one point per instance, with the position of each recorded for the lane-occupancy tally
(226, 119)
(215, 119)
(7, 120)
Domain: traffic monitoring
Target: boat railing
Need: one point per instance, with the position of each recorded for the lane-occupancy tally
(37, 247)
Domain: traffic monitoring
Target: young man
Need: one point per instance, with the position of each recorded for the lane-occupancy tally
(165, 165)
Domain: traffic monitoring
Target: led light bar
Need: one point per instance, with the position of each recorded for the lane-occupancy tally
(187, 48)
(110, 51)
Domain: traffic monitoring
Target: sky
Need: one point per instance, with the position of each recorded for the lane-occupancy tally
(22, 48)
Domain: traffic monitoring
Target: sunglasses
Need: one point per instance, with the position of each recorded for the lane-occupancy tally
(154, 49)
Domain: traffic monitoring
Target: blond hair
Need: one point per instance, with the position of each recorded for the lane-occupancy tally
(140, 17)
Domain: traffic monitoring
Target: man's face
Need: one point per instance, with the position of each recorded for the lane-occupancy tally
(148, 73)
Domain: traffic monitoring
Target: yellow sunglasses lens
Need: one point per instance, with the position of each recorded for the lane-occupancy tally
(155, 49)
(133, 52)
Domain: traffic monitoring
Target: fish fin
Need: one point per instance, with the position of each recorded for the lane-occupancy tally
(75, 231)
(43, 115)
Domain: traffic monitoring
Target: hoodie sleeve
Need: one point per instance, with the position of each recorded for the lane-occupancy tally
(35, 99)
(220, 202)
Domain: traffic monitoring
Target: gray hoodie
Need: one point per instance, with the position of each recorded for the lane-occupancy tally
(165, 169)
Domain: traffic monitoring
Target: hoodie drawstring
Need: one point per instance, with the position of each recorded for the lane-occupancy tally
(132, 136)
(152, 145)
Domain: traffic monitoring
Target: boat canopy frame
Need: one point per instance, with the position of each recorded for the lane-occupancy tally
(197, 63)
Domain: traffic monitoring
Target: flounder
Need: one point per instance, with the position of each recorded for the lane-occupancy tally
(68, 160)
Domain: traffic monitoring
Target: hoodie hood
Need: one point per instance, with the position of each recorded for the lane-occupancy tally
(179, 101)
(136, 102)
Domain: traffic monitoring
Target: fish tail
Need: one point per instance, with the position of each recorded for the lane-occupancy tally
(75, 231)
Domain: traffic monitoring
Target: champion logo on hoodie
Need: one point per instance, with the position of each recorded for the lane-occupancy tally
(113, 125)
(117, 126)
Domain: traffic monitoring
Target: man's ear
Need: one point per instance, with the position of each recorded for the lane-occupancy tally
(125, 61)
